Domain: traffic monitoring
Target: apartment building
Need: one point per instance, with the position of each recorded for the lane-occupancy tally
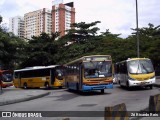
(63, 15)
(45, 20)
(16, 26)
(37, 22)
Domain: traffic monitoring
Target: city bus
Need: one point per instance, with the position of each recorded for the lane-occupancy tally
(39, 76)
(135, 72)
(6, 78)
(89, 73)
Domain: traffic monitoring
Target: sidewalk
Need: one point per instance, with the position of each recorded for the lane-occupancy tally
(14, 95)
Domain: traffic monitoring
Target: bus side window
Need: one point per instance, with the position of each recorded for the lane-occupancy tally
(125, 68)
(121, 68)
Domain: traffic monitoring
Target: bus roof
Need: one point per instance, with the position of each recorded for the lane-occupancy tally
(90, 56)
(3, 71)
(36, 68)
(130, 59)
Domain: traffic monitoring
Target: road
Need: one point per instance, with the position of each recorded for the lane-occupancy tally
(64, 100)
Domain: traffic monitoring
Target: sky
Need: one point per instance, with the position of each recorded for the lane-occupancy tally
(119, 16)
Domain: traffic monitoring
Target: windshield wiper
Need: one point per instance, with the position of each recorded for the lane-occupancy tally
(145, 68)
(138, 68)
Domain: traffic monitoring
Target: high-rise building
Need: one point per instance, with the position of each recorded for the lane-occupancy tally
(37, 22)
(45, 20)
(16, 26)
(63, 15)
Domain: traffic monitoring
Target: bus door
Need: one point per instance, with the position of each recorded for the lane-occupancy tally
(124, 73)
(80, 75)
(52, 75)
(18, 77)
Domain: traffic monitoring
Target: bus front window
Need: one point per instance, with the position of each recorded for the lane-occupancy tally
(97, 69)
(7, 77)
(140, 67)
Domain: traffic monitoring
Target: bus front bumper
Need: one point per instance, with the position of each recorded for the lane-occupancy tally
(96, 87)
(142, 83)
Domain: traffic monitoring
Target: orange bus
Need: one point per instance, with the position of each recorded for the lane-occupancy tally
(6, 78)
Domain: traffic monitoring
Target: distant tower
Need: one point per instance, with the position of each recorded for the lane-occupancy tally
(16, 26)
(63, 15)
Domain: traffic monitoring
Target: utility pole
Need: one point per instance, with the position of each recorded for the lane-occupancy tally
(138, 55)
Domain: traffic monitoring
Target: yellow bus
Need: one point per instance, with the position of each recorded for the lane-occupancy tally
(89, 73)
(39, 76)
(135, 72)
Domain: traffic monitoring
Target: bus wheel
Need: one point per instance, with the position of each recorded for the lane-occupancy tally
(25, 85)
(127, 84)
(46, 85)
(102, 91)
(60, 87)
(151, 86)
(119, 83)
(77, 87)
(67, 85)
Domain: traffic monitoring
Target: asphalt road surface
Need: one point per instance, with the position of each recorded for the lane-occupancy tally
(67, 101)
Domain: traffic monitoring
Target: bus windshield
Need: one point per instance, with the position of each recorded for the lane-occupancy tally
(97, 69)
(7, 77)
(140, 67)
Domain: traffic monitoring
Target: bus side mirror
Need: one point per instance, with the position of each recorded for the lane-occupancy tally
(59, 75)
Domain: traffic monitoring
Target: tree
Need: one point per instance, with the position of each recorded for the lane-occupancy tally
(11, 50)
(149, 43)
(41, 50)
(81, 40)
(82, 31)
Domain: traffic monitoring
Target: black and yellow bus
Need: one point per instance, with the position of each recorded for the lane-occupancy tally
(39, 76)
(135, 72)
(89, 73)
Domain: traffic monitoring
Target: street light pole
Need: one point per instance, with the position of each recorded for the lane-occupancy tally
(137, 29)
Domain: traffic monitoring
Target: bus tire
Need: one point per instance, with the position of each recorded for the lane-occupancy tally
(119, 83)
(46, 85)
(67, 85)
(151, 86)
(60, 87)
(102, 91)
(77, 87)
(127, 84)
(25, 85)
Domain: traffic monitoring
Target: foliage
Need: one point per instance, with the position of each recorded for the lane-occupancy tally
(11, 50)
(40, 51)
(82, 39)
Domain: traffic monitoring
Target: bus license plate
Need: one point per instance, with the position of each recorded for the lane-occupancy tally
(142, 83)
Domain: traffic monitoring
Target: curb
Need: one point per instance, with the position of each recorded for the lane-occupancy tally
(23, 99)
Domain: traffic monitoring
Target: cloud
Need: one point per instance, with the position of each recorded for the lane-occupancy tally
(113, 14)
(9, 6)
(149, 12)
